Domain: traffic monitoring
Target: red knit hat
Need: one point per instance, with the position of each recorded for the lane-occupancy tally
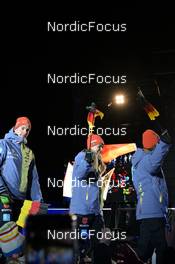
(94, 140)
(20, 121)
(149, 139)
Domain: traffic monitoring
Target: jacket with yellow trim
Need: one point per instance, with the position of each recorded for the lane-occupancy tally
(85, 188)
(149, 181)
(10, 169)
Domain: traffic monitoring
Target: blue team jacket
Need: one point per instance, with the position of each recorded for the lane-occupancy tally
(10, 168)
(85, 195)
(149, 182)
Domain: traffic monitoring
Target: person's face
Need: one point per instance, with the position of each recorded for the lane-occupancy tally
(97, 148)
(23, 131)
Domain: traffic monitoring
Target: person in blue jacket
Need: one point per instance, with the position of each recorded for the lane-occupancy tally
(85, 178)
(85, 201)
(18, 173)
(152, 194)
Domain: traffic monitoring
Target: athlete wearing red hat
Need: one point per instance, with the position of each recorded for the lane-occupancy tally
(18, 173)
(152, 194)
(85, 202)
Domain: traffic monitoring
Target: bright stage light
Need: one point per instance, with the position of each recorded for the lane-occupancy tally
(120, 99)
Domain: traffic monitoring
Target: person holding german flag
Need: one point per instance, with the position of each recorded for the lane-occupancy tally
(150, 185)
(85, 201)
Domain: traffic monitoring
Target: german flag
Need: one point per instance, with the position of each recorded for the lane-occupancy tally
(148, 107)
(151, 111)
(31, 208)
(91, 118)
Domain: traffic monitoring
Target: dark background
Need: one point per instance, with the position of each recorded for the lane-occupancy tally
(145, 53)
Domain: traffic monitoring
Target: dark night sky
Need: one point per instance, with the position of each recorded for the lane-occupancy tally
(145, 53)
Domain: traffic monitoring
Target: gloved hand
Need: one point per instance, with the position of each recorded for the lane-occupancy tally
(89, 156)
(5, 199)
(165, 137)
